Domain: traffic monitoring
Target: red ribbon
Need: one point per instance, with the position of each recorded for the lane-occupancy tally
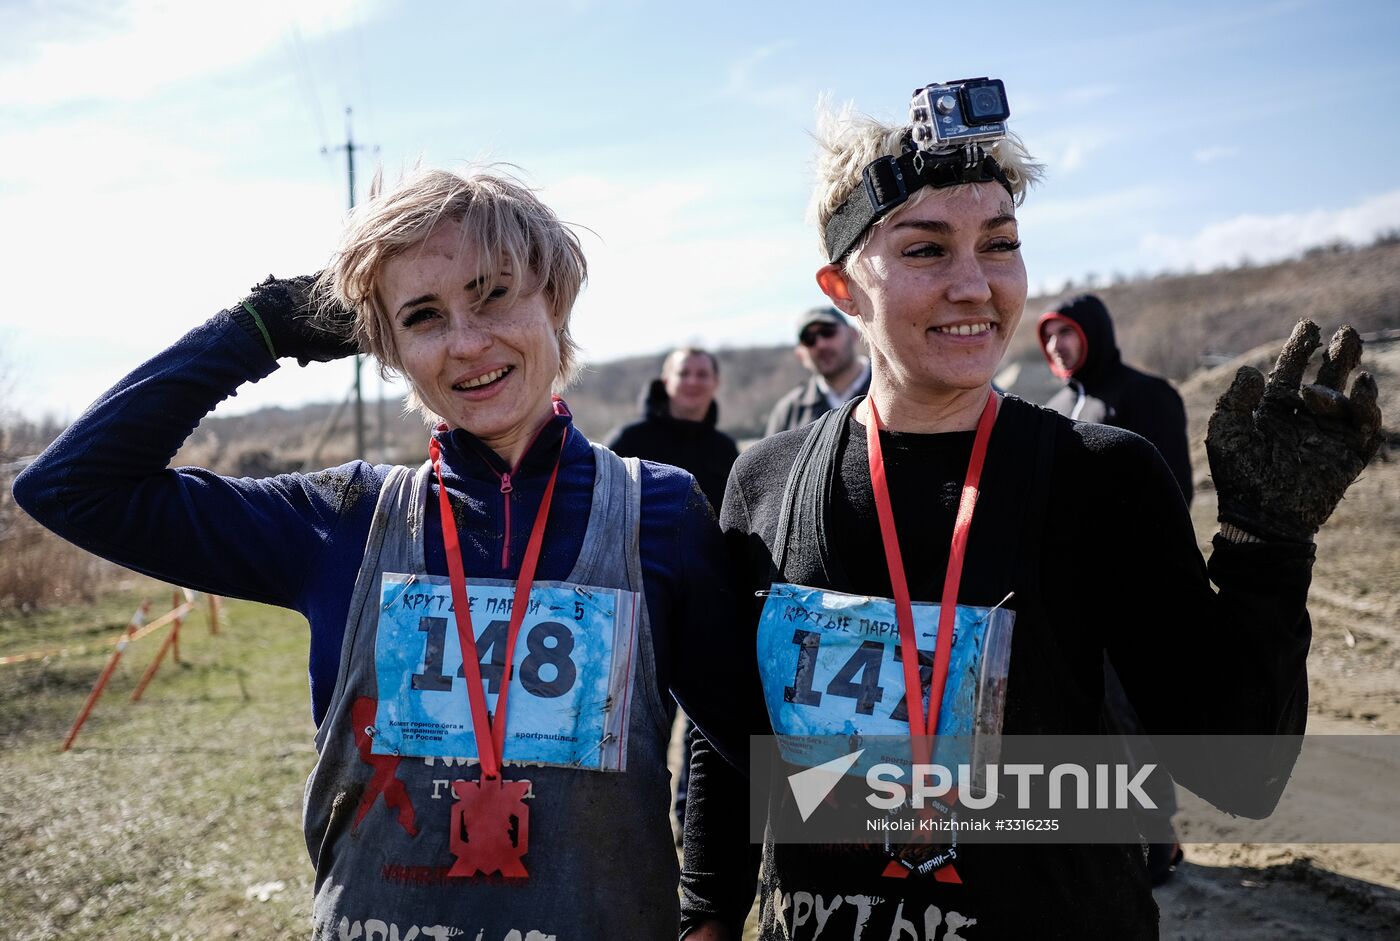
(490, 731)
(921, 727)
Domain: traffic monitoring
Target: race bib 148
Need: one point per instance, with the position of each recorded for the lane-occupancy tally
(571, 688)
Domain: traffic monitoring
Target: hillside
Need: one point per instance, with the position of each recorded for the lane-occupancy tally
(1172, 325)
(1175, 325)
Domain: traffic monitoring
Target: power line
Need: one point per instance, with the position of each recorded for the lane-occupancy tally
(301, 68)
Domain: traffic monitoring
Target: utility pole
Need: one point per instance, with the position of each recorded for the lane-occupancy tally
(350, 147)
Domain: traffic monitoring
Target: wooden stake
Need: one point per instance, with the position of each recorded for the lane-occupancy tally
(127, 633)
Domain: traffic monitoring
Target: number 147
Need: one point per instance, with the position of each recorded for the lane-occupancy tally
(857, 679)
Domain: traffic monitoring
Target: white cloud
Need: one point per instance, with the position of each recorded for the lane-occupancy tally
(675, 260)
(1260, 238)
(129, 221)
(1087, 94)
(101, 51)
(1212, 154)
(103, 279)
(1093, 210)
(1068, 150)
(104, 287)
(1027, 102)
(59, 156)
(744, 82)
(1072, 158)
(624, 213)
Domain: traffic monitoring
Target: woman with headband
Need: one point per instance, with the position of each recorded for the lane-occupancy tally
(936, 490)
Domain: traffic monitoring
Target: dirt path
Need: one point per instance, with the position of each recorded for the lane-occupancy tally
(1343, 891)
(1261, 892)
(1268, 893)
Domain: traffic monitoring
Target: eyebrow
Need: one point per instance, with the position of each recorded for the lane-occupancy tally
(925, 225)
(942, 228)
(472, 285)
(422, 298)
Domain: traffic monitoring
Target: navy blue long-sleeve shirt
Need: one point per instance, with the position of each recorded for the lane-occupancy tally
(296, 540)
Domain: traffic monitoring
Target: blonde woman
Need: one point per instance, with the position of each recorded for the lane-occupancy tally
(493, 633)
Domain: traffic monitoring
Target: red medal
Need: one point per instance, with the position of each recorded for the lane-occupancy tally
(490, 827)
(490, 819)
(921, 727)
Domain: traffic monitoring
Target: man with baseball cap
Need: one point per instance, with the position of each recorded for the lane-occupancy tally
(827, 345)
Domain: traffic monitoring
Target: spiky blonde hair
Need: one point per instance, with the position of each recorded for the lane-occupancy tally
(848, 141)
(512, 231)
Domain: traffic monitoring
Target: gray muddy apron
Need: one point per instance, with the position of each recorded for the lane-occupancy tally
(378, 826)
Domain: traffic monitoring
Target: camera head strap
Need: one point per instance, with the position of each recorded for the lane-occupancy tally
(890, 181)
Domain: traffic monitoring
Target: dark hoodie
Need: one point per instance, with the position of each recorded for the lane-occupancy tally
(695, 446)
(1102, 389)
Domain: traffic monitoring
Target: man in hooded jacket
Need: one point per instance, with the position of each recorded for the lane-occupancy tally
(679, 429)
(1077, 340)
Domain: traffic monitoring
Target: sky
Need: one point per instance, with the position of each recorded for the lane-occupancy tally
(159, 158)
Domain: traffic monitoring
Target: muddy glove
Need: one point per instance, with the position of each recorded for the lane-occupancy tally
(281, 314)
(1281, 455)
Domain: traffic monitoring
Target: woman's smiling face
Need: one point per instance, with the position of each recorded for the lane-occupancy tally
(483, 361)
(940, 287)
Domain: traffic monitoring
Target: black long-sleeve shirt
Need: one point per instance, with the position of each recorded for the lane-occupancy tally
(1111, 565)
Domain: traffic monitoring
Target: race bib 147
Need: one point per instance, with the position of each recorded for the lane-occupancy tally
(831, 665)
(571, 688)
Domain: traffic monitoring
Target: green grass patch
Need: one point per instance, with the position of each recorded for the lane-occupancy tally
(169, 816)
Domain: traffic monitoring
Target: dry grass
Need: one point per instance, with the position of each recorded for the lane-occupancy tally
(41, 570)
(169, 816)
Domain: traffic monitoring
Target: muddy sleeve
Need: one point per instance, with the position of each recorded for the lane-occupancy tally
(1218, 649)
(106, 485)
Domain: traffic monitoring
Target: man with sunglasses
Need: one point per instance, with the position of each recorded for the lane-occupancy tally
(828, 346)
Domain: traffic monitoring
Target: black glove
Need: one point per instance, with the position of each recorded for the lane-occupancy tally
(1281, 455)
(280, 314)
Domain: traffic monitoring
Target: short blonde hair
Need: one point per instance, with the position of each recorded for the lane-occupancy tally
(513, 230)
(849, 141)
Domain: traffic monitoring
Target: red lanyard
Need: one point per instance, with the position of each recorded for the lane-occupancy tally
(947, 612)
(490, 732)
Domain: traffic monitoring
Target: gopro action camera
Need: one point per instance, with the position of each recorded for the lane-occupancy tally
(968, 111)
(949, 123)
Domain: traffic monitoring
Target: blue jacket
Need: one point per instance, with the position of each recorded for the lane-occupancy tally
(296, 540)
